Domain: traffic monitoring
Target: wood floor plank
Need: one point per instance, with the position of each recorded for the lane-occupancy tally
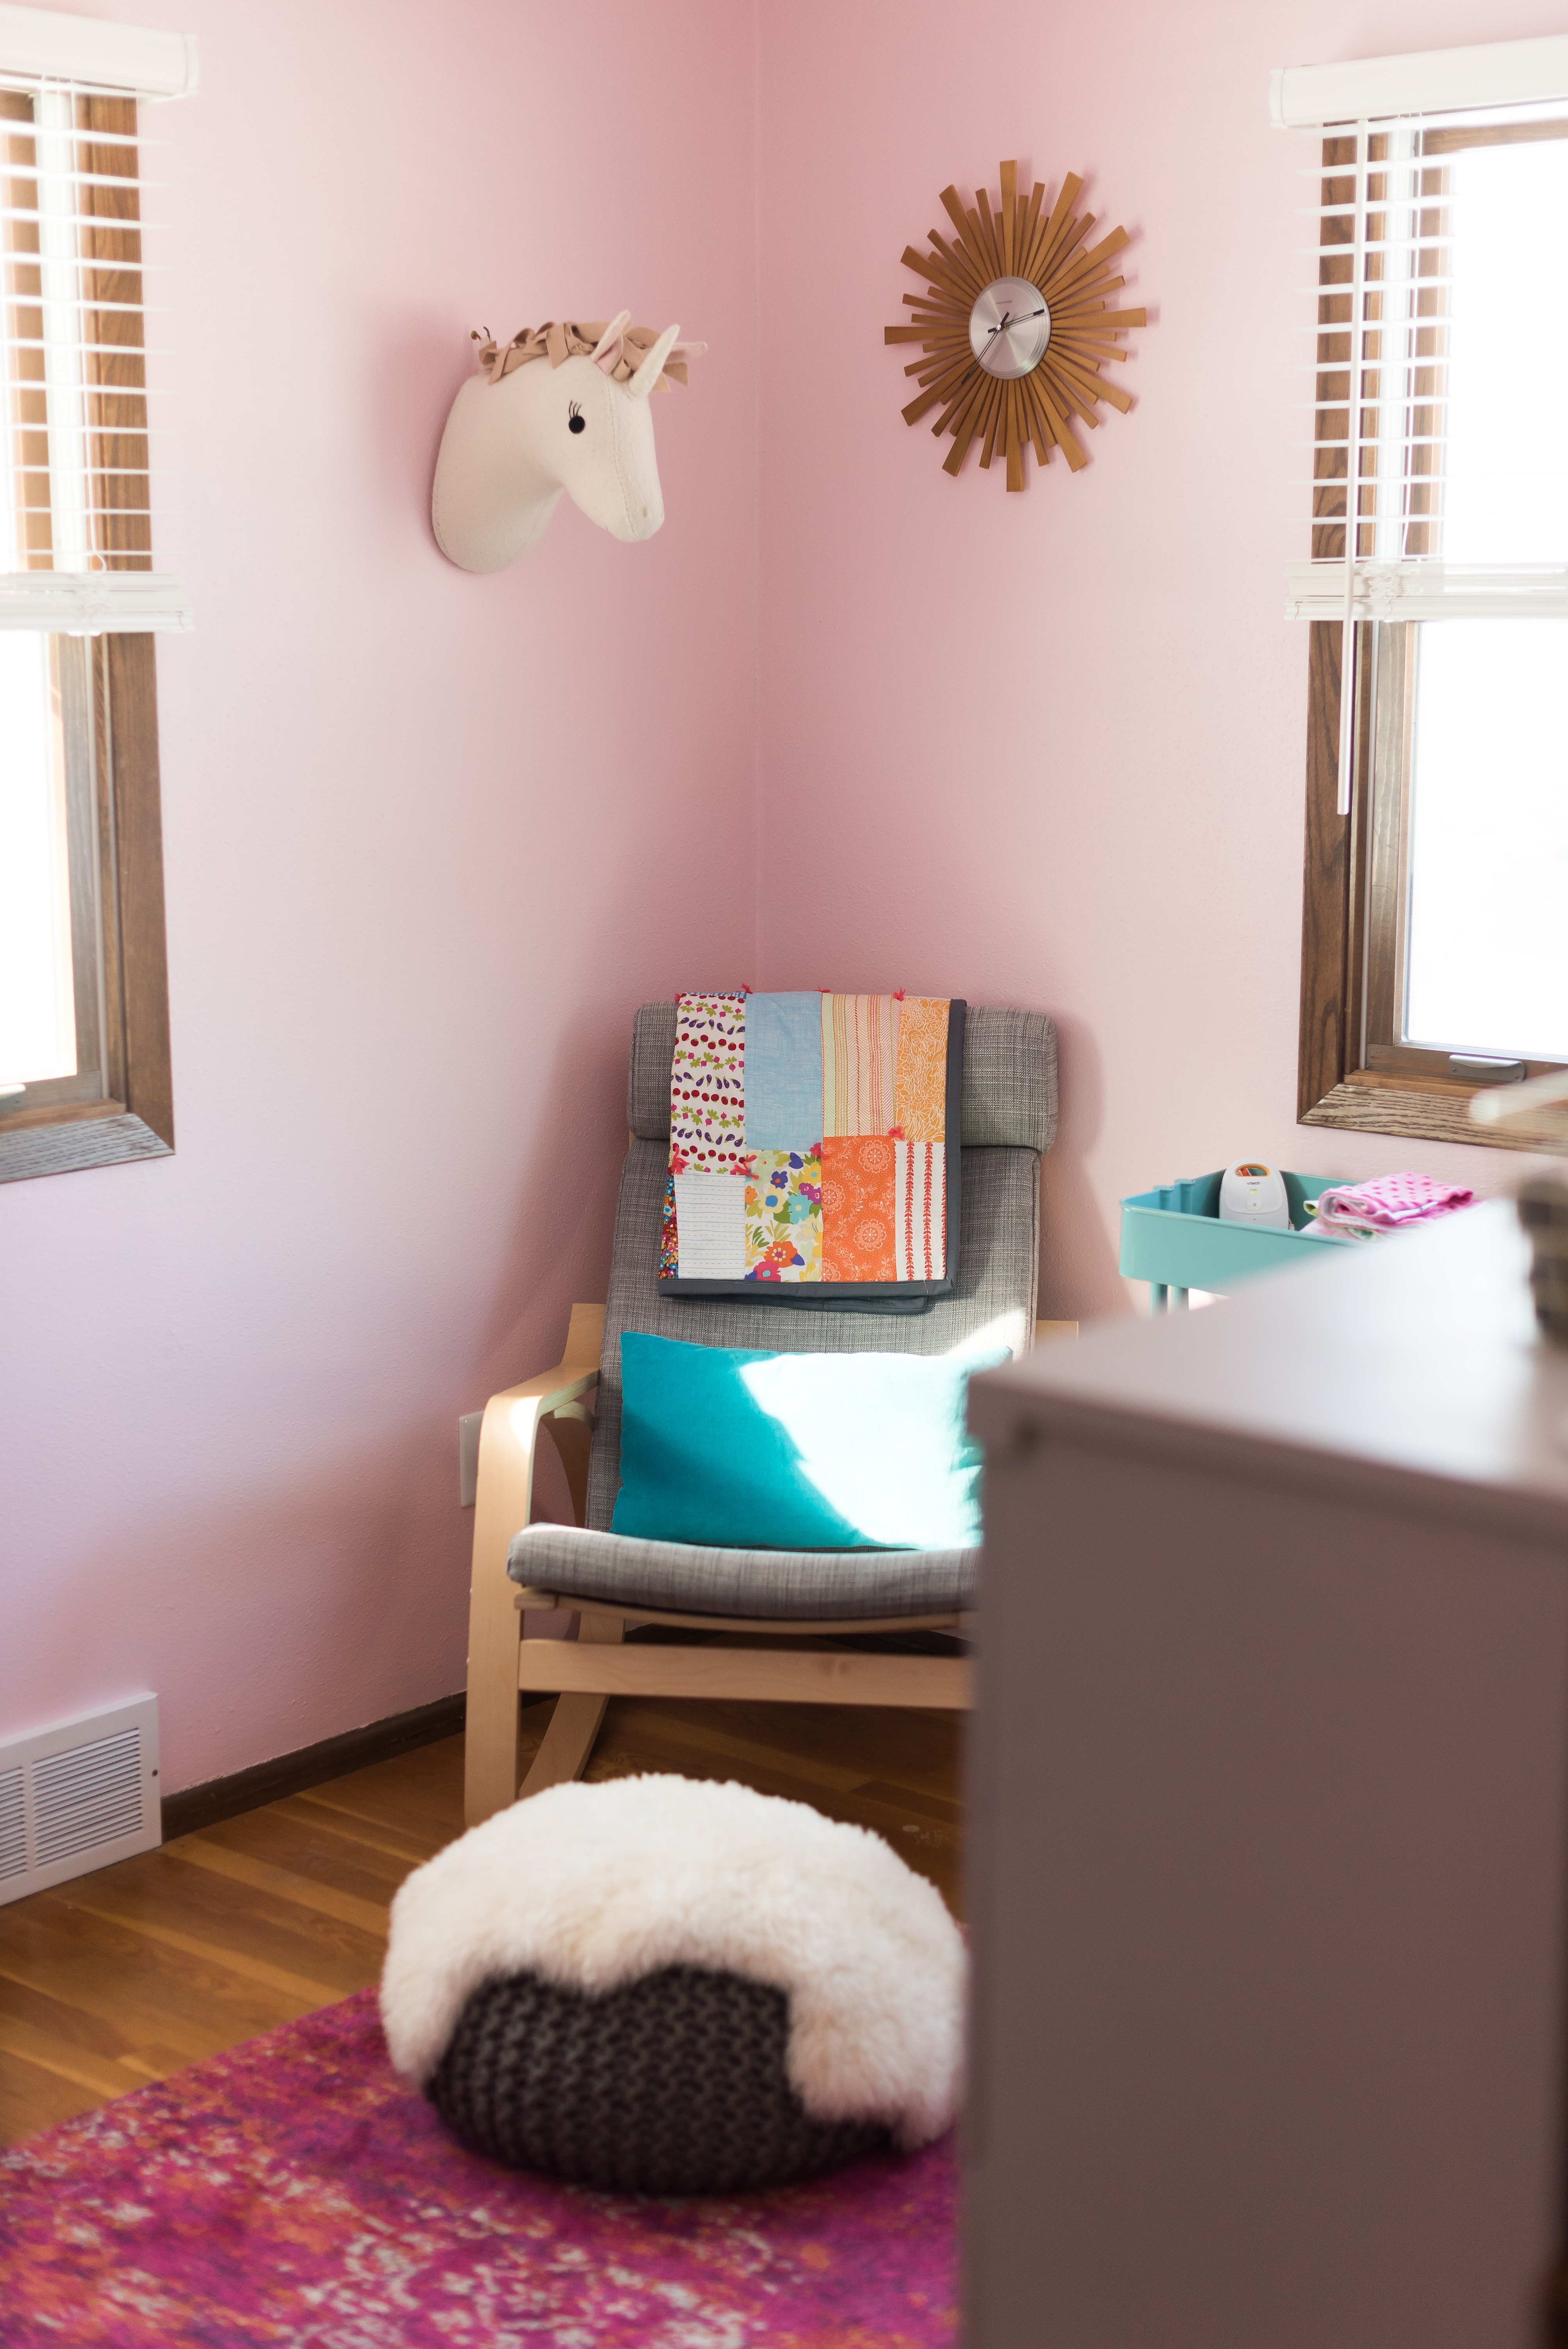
(63, 2061)
(228, 1937)
(149, 1992)
(940, 1810)
(821, 1744)
(831, 1751)
(317, 1848)
(218, 1918)
(400, 1838)
(418, 1794)
(636, 1730)
(297, 1891)
(144, 2072)
(309, 1994)
(32, 2099)
(317, 1810)
(197, 2027)
(62, 2018)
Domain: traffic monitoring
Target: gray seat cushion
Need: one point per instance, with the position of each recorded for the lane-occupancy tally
(820, 1585)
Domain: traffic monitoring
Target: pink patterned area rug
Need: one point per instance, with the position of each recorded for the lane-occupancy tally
(296, 2194)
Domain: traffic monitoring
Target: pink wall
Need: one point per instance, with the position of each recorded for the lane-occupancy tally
(1049, 749)
(428, 840)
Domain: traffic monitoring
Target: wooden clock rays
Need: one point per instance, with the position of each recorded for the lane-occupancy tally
(1014, 326)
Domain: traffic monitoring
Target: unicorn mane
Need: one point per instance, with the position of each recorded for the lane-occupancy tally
(611, 340)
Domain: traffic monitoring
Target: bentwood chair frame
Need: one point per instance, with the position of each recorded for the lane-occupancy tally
(614, 1586)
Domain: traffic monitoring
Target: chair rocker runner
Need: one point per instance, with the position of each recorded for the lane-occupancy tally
(765, 1602)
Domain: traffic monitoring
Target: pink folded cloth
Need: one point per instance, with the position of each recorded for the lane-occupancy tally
(1391, 1201)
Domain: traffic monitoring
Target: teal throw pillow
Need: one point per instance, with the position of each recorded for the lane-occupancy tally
(747, 1450)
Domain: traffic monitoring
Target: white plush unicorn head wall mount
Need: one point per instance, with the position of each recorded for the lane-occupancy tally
(520, 432)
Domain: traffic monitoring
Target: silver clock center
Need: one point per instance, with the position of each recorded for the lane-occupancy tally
(1009, 327)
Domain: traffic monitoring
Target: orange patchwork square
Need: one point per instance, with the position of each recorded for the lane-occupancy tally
(922, 1085)
(859, 1221)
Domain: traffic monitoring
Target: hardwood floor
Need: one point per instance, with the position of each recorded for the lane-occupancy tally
(127, 1975)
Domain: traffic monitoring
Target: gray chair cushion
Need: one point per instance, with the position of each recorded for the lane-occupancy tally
(998, 1268)
(1009, 1077)
(804, 1585)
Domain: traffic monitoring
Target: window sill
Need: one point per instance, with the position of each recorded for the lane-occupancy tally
(1424, 1110)
(62, 1140)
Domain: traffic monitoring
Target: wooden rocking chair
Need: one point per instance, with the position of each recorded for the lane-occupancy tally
(763, 1600)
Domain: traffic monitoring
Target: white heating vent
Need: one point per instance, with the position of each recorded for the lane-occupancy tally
(13, 1832)
(77, 1797)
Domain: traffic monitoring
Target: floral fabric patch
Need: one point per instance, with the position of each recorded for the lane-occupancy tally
(784, 1217)
(669, 1246)
(858, 1208)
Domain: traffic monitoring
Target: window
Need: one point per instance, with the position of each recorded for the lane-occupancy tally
(84, 1021)
(1435, 948)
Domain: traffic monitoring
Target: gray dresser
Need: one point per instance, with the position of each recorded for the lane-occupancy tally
(1270, 1793)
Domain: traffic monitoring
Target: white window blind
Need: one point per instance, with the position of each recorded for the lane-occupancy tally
(1437, 467)
(81, 540)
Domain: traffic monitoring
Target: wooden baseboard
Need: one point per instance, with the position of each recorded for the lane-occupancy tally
(194, 1807)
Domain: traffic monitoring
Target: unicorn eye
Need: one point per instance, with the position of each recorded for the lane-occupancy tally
(576, 421)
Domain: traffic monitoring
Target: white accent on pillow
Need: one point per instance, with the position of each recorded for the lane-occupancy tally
(710, 1218)
(592, 1887)
(895, 1472)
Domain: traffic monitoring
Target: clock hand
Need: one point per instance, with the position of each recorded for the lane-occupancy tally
(1007, 320)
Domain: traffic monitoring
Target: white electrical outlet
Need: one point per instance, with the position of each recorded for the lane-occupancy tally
(469, 1457)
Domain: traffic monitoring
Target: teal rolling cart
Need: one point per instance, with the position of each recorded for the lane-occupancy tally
(1172, 1238)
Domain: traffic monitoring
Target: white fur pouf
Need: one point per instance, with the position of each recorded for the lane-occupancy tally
(593, 1888)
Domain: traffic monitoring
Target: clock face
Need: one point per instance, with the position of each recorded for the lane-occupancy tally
(1014, 326)
(1009, 327)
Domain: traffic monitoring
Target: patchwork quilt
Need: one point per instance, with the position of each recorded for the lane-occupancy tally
(813, 1139)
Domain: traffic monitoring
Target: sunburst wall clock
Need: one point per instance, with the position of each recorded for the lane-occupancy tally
(1013, 326)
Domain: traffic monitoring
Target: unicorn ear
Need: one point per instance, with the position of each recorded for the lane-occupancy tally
(653, 366)
(606, 351)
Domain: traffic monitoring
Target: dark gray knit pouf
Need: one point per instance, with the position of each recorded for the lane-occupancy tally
(672, 2085)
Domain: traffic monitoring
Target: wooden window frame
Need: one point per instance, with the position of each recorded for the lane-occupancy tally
(1348, 1077)
(109, 715)
(1350, 1073)
(137, 1118)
